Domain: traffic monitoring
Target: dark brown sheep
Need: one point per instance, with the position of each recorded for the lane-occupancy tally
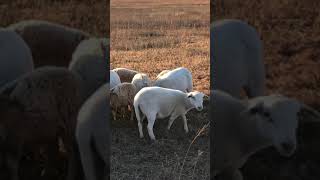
(42, 107)
(50, 43)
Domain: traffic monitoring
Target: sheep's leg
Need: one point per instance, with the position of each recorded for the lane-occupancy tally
(131, 117)
(140, 128)
(102, 145)
(114, 114)
(151, 119)
(13, 165)
(143, 117)
(171, 120)
(87, 158)
(185, 125)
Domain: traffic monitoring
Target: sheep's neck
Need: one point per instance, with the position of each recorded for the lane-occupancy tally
(188, 105)
(252, 140)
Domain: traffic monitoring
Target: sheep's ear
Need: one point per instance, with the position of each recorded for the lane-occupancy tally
(112, 91)
(308, 114)
(190, 95)
(256, 108)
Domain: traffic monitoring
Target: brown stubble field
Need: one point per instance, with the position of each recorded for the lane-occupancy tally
(151, 36)
(290, 31)
(87, 15)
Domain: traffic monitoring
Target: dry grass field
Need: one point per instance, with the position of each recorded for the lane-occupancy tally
(88, 15)
(151, 36)
(290, 33)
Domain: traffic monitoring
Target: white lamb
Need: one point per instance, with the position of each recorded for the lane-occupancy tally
(141, 80)
(237, 58)
(179, 79)
(162, 73)
(158, 102)
(114, 79)
(241, 128)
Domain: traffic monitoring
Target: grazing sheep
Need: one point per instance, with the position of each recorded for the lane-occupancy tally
(236, 58)
(114, 79)
(89, 61)
(179, 79)
(162, 73)
(42, 107)
(126, 75)
(141, 80)
(241, 128)
(50, 43)
(158, 102)
(15, 57)
(93, 135)
(121, 96)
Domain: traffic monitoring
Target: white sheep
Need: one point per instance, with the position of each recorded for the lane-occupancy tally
(90, 63)
(158, 102)
(121, 97)
(44, 107)
(162, 73)
(241, 128)
(141, 80)
(114, 79)
(126, 75)
(50, 43)
(179, 79)
(15, 57)
(93, 135)
(237, 58)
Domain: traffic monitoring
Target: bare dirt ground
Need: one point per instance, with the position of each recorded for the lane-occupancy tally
(88, 15)
(151, 36)
(291, 36)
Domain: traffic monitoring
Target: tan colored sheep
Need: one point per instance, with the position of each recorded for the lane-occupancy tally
(126, 75)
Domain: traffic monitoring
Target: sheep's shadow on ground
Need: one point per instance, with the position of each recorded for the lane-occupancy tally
(135, 158)
(303, 165)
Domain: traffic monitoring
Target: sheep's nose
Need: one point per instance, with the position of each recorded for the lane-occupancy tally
(288, 146)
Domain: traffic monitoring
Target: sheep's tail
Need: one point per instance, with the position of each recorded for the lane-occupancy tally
(137, 110)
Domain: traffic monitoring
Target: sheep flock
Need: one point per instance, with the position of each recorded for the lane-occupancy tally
(63, 107)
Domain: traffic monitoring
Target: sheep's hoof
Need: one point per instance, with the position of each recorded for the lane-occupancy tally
(153, 142)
